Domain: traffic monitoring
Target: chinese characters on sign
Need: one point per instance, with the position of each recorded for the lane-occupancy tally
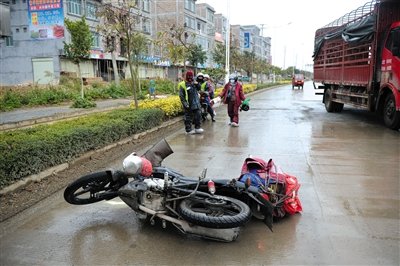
(46, 19)
(247, 40)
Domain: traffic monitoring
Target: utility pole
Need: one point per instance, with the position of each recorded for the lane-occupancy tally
(227, 42)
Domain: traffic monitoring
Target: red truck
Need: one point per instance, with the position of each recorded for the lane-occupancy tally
(357, 59)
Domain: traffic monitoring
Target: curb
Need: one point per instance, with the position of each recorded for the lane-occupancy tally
(58, 168)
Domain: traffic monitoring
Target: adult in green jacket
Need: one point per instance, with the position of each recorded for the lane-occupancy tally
(189, 96)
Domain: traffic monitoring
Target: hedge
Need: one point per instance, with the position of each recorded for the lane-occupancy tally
(30, 151)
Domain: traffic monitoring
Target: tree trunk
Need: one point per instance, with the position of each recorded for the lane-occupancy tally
(81, 79)
(115, 67)
(133, 84)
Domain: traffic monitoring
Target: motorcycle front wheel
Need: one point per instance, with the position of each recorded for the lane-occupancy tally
(92, 188)
(215, 212)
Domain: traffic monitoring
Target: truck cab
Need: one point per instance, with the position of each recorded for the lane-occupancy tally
(298, 81)
(389, 96)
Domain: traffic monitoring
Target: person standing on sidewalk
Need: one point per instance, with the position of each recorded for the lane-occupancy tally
(152, 89)
(233, 95)
(189, 96)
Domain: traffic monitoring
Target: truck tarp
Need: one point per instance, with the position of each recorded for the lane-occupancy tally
(359, 31)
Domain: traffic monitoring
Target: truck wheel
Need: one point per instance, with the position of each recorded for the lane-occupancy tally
(331, 106)
(391, 117)
(338, 107)
(328, 100)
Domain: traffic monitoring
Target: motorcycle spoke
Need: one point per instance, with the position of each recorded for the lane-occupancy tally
(202, 210)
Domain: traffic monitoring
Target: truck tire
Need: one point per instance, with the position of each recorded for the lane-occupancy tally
(331, 106)
(391, 117)
(338, 107)
(328, 100)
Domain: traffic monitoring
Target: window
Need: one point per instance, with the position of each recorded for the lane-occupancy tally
(91, 10)
(393, 41)
(75, 7)
(96, 40)
(146, 5)
(9, 41)
(122, 46)
(190, 22)
(202, 42)
(210, 15)
(146, 26)
(190, 5)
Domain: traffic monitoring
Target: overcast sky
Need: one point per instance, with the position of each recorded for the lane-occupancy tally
(290, 23)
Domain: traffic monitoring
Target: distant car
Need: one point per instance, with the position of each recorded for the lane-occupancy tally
(298, 81)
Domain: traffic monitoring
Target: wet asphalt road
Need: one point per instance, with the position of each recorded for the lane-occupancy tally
(347, 164)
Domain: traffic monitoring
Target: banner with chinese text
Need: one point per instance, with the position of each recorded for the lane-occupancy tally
(46, 19)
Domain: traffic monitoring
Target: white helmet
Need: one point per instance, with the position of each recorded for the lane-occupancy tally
(200, 74)
(206, 76)
(233, 76)
(132, 164)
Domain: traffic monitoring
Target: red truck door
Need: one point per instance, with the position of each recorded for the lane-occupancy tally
(390, 78)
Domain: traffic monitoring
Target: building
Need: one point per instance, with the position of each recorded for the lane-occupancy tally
(220, 28)
(32, 51)
(197, 20)
(206, 31)
(256, 43)
(33, 32)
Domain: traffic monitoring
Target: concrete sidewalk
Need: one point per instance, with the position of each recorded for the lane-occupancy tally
(36, 115)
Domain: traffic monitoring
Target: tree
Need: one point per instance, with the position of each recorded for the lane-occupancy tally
(176, 40)
(247, 62)
(216, 74)
(122, 20)
(218, 54)
(235, 59)
(196, 55)
(79, 47)
(109, 38)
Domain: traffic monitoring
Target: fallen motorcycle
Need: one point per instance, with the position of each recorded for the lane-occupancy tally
(212, 209)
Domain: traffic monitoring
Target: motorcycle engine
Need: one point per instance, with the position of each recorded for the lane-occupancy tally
(147, 192)
(153, 198)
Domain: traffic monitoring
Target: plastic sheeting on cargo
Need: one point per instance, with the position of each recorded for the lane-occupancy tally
(359, 31)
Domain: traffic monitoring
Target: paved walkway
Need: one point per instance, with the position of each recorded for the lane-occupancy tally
(28, 116)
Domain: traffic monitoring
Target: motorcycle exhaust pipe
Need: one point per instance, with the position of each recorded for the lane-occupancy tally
(217, 234)
(162, 216)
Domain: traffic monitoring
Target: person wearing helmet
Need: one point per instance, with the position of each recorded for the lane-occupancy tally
(189, 96)
(233, 95)
(207, 93)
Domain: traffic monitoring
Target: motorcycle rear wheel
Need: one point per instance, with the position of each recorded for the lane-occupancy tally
(215, 212)
(92, 188)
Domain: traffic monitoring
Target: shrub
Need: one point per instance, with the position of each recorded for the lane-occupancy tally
(83, 103)
(9, 101)
(171, 106)
(163, 86)
(30, 151)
